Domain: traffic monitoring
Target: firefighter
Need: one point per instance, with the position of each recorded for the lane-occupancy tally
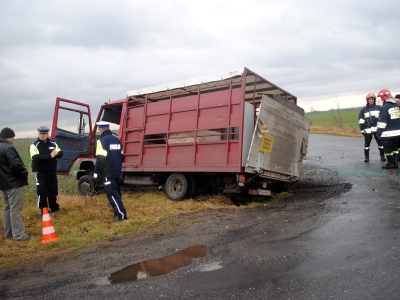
(368, 119)
(389, 128)
(44, 153)
(109, 157)
(397, 97)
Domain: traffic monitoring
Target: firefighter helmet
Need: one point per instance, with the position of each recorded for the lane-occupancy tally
(370, 95)
(384, 94)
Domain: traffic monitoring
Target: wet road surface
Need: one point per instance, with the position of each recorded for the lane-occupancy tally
(337, 237)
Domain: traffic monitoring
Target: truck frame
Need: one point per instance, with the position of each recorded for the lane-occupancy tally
(233, 132)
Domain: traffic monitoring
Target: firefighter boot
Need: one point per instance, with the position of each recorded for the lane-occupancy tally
(382, 153)
(395, 161)
(390, 163)
(366, 155)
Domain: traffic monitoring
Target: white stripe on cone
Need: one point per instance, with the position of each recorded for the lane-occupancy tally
(48, 230)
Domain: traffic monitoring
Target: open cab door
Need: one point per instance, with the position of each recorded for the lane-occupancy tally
(72, 131)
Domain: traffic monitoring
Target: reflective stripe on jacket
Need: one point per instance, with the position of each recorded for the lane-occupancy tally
(40, 155)
(109, 156)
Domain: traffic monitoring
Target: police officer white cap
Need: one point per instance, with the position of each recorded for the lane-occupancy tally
(43, 129)
(103, 124)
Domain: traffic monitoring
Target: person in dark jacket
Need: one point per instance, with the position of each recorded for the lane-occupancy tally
(109, 157)
(13, 177)
(44, 153)
(389, 128)
(368, 119)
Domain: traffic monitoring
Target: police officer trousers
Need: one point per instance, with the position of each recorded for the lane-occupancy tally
(47, 190)
(113, 192)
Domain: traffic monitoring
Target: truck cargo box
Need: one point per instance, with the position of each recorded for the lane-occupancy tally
(233, 131)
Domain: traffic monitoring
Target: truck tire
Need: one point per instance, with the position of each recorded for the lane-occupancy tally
(194, 186)
(86, 186)
(177, 186)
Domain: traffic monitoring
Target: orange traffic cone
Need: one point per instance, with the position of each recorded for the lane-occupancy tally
(48, 232)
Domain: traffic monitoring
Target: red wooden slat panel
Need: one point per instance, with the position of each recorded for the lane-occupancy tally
(183, 121)
(236, 117)
(220, 98)
(135, 115)
(234, 153)
(211, 155)
(184, 104)
(154, 156)
(156, 124)
(216, 117)
(132, 159)
(181, 155)
(158, 108)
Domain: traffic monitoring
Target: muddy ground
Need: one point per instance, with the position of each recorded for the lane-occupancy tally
(228, 236)
(337, 237)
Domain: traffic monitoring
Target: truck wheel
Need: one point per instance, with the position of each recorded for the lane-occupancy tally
(86, 186)
(177, 186)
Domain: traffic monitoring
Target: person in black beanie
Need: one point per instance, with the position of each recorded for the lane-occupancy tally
(13, 177)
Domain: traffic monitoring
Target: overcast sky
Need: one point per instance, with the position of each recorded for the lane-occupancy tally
(324, 52)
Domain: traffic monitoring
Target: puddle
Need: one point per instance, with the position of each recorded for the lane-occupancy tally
(154, 267)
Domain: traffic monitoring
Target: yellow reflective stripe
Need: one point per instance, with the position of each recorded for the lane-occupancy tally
(33, 150)
(58, 149)
(391, 133)
(100, 150)
(381, 125)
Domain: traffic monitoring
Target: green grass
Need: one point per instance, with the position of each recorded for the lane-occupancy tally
(330, 118)
(337, 122)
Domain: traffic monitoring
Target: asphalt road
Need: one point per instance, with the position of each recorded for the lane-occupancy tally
(337, 237)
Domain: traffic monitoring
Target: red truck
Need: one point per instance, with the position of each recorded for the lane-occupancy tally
(234, 133)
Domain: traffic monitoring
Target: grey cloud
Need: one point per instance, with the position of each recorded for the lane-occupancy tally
(92, 51)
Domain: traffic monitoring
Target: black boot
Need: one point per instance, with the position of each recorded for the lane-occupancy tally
(390, 163)
(382, 153)
(395, 161)
(366, 155)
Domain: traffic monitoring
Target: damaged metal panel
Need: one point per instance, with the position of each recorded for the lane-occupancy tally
(279, 141)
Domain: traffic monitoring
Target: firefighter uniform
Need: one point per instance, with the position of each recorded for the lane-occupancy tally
(368, 119)
(109, 157)
(389, 128)
(45, 165)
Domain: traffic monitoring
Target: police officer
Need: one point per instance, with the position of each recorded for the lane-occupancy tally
(368, 119)
(109, 157)
(389, 128)
(44, 153)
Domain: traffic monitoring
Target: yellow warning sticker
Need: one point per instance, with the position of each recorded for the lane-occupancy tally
(267, 143)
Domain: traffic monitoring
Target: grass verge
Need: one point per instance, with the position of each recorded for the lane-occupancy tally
(353, 131)
(87, 220)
